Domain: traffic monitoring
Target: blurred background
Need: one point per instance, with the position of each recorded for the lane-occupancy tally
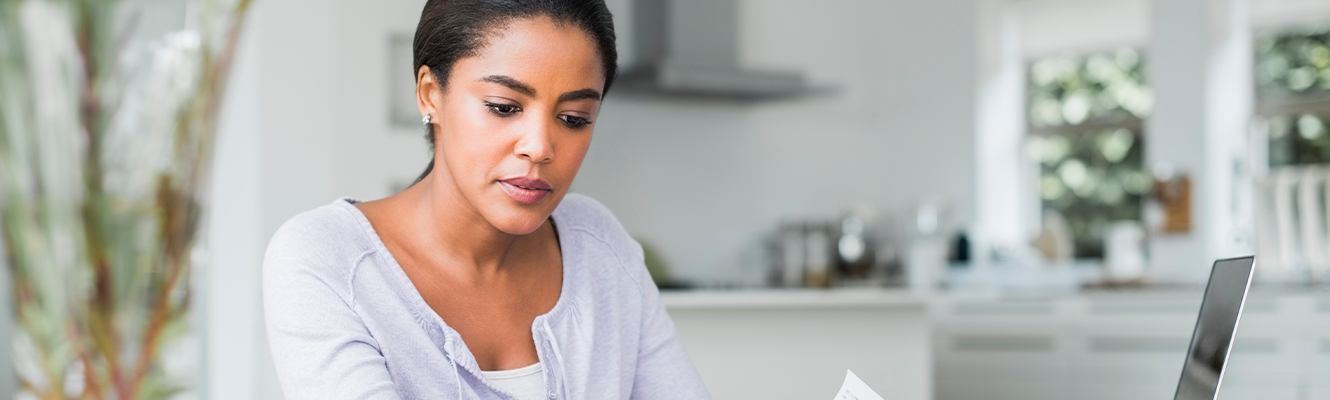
(999, 199)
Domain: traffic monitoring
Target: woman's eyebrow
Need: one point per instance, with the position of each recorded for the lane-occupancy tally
(511, 83)
(580, 95)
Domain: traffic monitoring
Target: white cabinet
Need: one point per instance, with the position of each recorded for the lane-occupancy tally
(1124, 345)
(797, 344)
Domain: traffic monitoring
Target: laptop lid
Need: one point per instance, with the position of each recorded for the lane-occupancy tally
(1225, 295)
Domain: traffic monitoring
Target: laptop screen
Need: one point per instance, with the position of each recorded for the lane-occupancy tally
(1210, 342)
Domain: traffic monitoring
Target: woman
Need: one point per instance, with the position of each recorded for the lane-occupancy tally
(482, 280)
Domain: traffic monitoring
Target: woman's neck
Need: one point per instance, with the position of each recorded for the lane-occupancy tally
(434, 223)
(451, 218)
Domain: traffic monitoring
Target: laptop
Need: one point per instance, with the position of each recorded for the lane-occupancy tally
(1217, 324)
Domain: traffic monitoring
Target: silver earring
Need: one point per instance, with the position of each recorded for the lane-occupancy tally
(426, 119)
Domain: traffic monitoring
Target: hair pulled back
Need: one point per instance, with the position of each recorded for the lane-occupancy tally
(450, 30)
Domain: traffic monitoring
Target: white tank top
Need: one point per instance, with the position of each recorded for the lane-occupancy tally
(526, 383)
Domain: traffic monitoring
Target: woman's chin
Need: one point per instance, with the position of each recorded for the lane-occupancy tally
(522, 222)
(514, 218)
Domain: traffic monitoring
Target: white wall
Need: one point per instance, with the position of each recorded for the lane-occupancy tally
(1200, 68)
(1009, 212)
(1177, 71)
(278, 155)
(697, 178)
(232, 308)
(376, 154)
(1050, 27)
(1275, 13)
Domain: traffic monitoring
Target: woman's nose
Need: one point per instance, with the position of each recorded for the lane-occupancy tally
(535, 143)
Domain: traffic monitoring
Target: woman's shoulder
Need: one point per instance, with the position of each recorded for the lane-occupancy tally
(325, 241)
(612, 247)
(582, 213)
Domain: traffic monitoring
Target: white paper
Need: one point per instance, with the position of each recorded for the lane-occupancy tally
(855, 389)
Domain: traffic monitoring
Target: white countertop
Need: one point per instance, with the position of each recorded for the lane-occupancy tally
(899, 297)
(790, 298)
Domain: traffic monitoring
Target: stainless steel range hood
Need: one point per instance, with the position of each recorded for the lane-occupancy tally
(690, 48)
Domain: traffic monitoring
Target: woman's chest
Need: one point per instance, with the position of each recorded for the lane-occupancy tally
(496, 326)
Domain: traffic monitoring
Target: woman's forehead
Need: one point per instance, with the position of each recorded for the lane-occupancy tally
(537, 52)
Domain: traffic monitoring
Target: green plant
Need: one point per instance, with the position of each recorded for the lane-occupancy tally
(105, 148)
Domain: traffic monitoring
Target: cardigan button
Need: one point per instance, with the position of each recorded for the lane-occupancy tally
(552, 395)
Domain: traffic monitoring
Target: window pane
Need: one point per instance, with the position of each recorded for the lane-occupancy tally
(1085, 116)
(1092, 177)
(1298, 138)
(1293, 91)
(1293, 64)
(1072, 90)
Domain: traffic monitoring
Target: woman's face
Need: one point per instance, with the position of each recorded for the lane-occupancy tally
(514, 122)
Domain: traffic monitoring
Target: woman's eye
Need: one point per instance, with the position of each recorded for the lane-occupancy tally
(503, 110)
(574, 121)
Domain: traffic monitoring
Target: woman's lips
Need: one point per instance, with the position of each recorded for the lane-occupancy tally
(526, 190)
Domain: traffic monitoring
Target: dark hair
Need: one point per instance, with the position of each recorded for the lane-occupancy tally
(450, 30)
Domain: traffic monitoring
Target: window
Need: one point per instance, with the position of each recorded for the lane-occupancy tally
(1293, 95)
(1085, 115)
(1292, 74)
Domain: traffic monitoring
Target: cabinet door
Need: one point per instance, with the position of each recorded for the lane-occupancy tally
(1317, 366)
(1001, 350)
(1132, 347)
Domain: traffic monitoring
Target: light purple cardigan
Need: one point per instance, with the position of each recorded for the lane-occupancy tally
(345, 322)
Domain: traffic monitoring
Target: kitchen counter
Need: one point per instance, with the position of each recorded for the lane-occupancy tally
(797, 343)
(1091, 343)
(790, 298)
(1124, 344)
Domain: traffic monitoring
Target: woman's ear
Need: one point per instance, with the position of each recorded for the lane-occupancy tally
(428, 93)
